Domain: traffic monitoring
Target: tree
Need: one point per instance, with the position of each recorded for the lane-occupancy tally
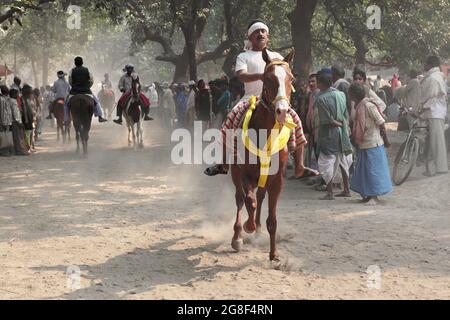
(301, 25)
(13, 10)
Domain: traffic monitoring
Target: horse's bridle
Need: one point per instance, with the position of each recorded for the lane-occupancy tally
(278, 98)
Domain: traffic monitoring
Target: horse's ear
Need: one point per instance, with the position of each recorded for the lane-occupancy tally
(265, 56)
(290, 57)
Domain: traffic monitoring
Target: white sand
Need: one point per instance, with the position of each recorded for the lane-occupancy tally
(139, 228)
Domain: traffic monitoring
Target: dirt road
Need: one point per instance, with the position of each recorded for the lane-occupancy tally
(137, 227)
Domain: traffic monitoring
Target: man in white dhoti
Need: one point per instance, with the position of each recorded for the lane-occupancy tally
(434, 108)
(333, 137)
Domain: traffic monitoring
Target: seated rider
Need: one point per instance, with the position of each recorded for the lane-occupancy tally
(61, 89)
(125, 86)
(81, 81)
(250, 67)
(106, 83)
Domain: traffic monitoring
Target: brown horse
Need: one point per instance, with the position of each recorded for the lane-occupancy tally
(61, 125)
(134, 116)
(82, 109)
(273, 106)
(107, 100)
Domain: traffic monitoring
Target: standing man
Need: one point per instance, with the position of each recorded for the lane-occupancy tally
(16, 85)
(434, 108)
(339, 83)
(203, 105)
(333, 137)
(311, 121)
(191, 110)
(6, 118)
(250, 67)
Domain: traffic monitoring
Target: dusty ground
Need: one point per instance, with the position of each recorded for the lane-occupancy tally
(138, 227)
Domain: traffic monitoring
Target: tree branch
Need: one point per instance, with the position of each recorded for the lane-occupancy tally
(217, 53)
(20, 7)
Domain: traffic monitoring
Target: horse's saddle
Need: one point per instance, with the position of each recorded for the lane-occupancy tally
(108, 92)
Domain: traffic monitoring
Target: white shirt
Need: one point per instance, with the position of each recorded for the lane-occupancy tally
(434, 93)
(252, 62)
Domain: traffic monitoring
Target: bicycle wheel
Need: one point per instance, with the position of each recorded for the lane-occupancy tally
(405, 161)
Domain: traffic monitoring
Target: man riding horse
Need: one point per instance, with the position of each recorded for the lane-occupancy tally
(125, 86)
(81, 81)
(250, 67)
(106, 83)
(61, 89)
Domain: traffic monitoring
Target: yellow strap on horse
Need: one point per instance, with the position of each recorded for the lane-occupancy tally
(277, 142)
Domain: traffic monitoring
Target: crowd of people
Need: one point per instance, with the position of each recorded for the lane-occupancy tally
(21, 118)
(341, 121)
(344, 121)
(179, 105)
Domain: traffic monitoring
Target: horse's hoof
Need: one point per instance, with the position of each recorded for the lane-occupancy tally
(237, 244)
(275, 263)
(248, 229)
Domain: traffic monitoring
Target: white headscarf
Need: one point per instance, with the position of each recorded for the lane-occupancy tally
(253, 28)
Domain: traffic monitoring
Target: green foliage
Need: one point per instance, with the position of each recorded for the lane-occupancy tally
(141, 31)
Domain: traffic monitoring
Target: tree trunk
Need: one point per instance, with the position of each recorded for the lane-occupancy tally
(35, 75)
(181, 68)
(45, 63)
(301, 19)
(360, 54)
(191, 46)
(15, 62)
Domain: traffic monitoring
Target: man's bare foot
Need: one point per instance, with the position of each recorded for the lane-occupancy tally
(343, 195)
(299, 172)
(329, 196)
(366, 199)
(304, 172)
(372, 202)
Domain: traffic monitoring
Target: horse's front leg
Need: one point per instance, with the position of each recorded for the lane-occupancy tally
(134, 137)
(68, 132)
(250, 204)
(237, 242)
(274, 194)
(141, 135)
(129, 136)
(260, 196)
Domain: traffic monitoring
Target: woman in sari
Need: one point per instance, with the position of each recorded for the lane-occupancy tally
(371, 177)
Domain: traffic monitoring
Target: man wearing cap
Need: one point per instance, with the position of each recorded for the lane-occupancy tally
(106, 82)
(61, 89)
(250, 67)
(125, 86)
(81, 81)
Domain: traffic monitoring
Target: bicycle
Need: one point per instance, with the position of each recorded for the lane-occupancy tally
(414, 145)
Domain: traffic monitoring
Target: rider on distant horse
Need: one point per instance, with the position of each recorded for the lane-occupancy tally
(250, 68)
(107, 84)
(125, 86)
(81, 81)
(61, 89)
